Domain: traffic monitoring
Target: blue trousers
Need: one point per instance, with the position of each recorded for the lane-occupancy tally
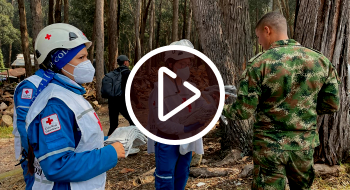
(28, 178)
(172, 168)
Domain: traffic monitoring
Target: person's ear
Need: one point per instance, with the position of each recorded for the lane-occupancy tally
(267, 30)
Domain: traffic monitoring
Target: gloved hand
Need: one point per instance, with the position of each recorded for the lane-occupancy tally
(192, 127)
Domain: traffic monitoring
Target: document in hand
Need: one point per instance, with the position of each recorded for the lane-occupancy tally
(130, 137)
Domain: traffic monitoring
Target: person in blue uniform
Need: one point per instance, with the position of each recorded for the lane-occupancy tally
(22, 99)
(173, 161)
(65, 135)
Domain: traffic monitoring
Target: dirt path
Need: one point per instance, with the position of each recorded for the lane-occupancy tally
(142, 162)
(7, 152)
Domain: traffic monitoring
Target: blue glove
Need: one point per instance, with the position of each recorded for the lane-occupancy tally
(192, 127)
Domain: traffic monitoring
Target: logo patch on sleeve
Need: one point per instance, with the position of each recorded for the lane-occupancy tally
(27, 93)
(50, 124)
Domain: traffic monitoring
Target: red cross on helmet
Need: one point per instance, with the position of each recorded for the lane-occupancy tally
(59, 35)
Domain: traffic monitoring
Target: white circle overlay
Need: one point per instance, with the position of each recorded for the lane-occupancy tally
(137, 67)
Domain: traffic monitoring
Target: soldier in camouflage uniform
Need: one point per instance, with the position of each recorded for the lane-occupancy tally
(285, 87)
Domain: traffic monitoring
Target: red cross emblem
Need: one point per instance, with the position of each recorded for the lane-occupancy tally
(48, 36)
(189, 106)
(26, 91)
(49, 121)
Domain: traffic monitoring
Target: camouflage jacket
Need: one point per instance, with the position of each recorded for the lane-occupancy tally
(286, 87)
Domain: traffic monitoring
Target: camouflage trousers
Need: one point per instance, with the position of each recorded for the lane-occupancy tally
(272, 167)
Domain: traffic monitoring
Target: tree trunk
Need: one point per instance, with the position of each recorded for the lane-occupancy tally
(143, 24)
(24, 38)
(151, 29)
(151, 22)
(287, 15)
(10, 56)
(256, 38)
(137, 33)
(184, 21)
(10, 45)
(99, 49)
(324, 26)
(66, 11)
(51, 15)
(118, 26)
(189, 24)
(275, 6)
(223, 27)
(93, 40)
(175, 20)
(237, 27)
(37, 24)
(58, 11)
(158, 23)
(112, 35)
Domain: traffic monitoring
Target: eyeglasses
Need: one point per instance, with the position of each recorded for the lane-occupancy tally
(183, 64)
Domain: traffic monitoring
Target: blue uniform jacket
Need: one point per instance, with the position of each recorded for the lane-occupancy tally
(22, 98)
(67, 166)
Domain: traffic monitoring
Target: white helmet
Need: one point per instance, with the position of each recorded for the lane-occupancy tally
(178, 55)
(59, 35)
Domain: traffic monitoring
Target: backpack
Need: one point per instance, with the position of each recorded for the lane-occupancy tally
(112, 84)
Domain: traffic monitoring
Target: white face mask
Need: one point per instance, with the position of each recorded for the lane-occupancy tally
(83, 73)
(183, 73)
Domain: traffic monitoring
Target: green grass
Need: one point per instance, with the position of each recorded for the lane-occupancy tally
(342, 182)
(6, 132)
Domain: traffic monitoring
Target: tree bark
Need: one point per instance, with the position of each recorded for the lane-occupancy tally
(93, 40)
(99, 49)
(112, 35)
(175, 20)
(256, 38)
(118, 25)
(237, 27)
(151, 22)
(10, 45)
(143, 25)
(224, 33)
(287, 15)
(324, 26)
(189, 23)
(10, 56)
(37, 24)
(275, 6)
(184, 21)
(51, 14)
(24, 38)
(137, 33)
(66, 11)
(58, 11)
(158, 23)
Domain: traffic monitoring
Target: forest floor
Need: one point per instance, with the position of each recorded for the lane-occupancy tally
(125, 173)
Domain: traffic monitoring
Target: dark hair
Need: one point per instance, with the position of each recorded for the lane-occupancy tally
(169, 61)
(47, 63)
(31, 158)
(120, 63)
(273, 19)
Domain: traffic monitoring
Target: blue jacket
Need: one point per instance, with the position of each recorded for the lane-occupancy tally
(68, 166)
(22, 104)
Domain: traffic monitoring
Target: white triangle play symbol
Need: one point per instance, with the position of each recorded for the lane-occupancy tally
(161, 115)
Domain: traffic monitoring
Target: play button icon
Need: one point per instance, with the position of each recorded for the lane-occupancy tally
(183, 105)
(174, 95)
